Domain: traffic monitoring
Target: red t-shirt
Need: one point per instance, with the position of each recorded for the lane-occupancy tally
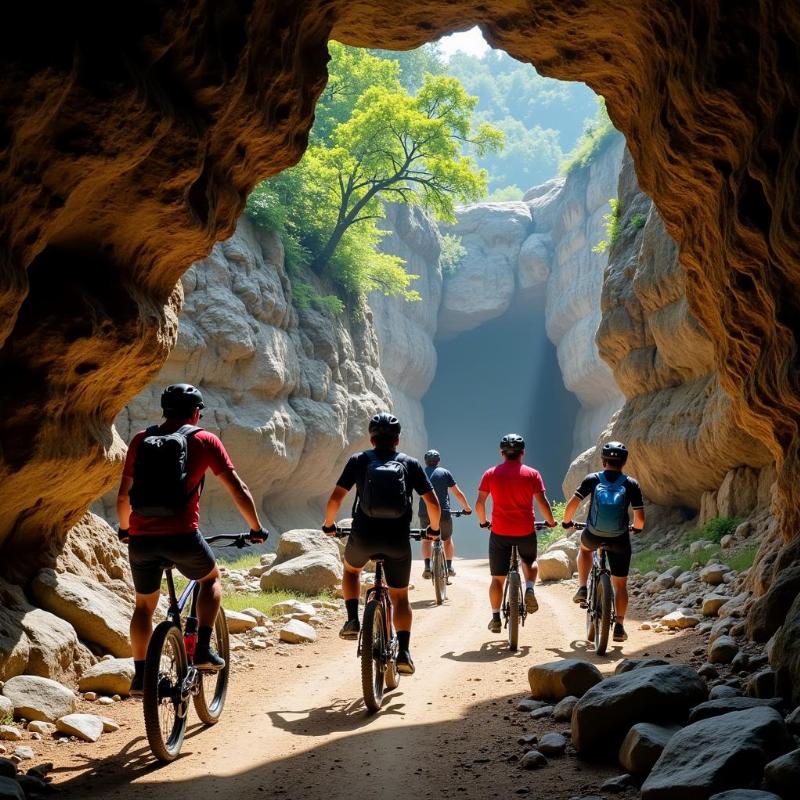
(205, 451)
(512, 486)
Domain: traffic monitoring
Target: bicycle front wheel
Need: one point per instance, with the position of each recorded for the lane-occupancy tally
(373, 653)
(210, 700)
(514, 602)
(165, 708)
(439, 576)
(603, 614)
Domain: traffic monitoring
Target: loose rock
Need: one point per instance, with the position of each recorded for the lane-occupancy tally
(643, 745)
(39, 698)
(723, 691)
(554, 566)
(552, 744)
(296, 632)
(531, 705)
(559, 679)
(564, 708)
(44, 728)
(762, 684)
(310, 574)
(8, 733)
(680, 619)
(618, 784)
(238, 622)
(533, 759)
(112, 676)
(715, 708)
(712, 604)
(85, 726)
(713, 574)
(10, 789)
(783, 774)
(8, 769)
(628, 664)
(744, 794)
(541, 713)
(723, 650)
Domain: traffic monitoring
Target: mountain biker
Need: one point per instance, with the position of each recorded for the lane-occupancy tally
(162, 529)
(384, 480)
(613, 489)
(513, 486)
(443, 483)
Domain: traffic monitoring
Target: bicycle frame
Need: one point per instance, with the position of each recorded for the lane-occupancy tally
(513, 567)
(599, 566)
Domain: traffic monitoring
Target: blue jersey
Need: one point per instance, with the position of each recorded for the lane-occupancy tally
(441, 480)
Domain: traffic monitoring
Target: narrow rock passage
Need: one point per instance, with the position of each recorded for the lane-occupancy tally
(449, 731)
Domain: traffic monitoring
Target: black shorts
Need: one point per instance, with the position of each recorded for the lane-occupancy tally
(445, 524)
(393, 549)
(150, 555)
(618, 549)
(500, 551)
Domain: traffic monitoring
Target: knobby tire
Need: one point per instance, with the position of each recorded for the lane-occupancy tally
(603, 624)
(210, 700)
(165, 737)
(373, 646)
(514, 601)
(439, 577)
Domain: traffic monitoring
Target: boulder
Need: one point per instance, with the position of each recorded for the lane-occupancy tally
(85, 726)
(724, 752)
(556, 680)
(735, 607)
(555, 566)
(662, 608)
(769, 611)
(296, 631)
(10, 733)
(604, 715)
(793, 721)
(111, 676)
(100, 616)
(714, 574)
(783, 774)
(10, 789)
(302, 542)
(39, 698)
(723, 692)
(680, 619)
(239, 622)
(643, 745)
(785, 654)
(744, 794)
(8, 769)
(568, 547)
(712, 604)
(628, 664)
(259, 616)
(564, 708)
(309, 574)
(762, 684)
(725, 705)
(722, 650)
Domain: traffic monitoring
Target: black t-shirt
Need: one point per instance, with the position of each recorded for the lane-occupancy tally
(632, 489)
(354, 474)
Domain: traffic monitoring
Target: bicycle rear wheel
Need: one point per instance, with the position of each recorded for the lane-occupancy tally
(210, 699)
(514, 601)
(439, 576)
(603, 614)
(591, 607)
(373, 653)
(165, 671)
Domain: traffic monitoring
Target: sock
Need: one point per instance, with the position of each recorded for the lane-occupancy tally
(449, 563)
(496, 613)
(138, 667)
(203, 638)
(427, 563)
(352, 608)
(528, 585)
(403, 639)
(620, 620)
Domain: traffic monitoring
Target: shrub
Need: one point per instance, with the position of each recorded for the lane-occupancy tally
(713, 530)
(637, 221)
(452, 254)
(613, 227)
(597, 135)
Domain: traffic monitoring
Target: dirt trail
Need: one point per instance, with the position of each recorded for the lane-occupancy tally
(296, 725)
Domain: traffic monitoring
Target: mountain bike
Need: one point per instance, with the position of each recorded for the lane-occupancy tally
(439, 571)
(170, 677)
(513, 608)
(377, 641)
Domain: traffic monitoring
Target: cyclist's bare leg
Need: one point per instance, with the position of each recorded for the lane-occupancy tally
(449, 549)
(401, 609)
(530, 571)
(142, 623)
(496, 590)
(351, 582)
(209, 599)
(620, 597)
(427, 548)
(584, 565)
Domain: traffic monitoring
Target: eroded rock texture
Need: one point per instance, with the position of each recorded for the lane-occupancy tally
(131, 134)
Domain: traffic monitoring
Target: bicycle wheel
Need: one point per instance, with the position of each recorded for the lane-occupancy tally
(514, 600)
(591, 606)
(392, 674)
(373, 649)
(165, 671)
(210, 700)
(603, 614)
(439, 576)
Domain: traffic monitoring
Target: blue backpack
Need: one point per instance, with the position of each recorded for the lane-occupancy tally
(608, 513)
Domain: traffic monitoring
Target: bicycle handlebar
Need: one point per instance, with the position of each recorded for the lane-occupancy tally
(579, 526)
(346, 530)
(239, 540)
(460, 513)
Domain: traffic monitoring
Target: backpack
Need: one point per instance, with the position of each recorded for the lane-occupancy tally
(608, 513)
(160, 473)
(384, 494)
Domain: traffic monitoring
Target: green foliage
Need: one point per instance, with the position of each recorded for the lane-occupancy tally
(743, 559)
(597, 134)
(264, 601)
(7, 718)
(613, 227)
(713, 530)
(505, 194)
(637, 221)
(452, 253)
(305, 296)
(415, 64)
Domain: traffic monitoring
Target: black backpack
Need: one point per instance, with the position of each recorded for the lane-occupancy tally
(384, 494)
(160, 473)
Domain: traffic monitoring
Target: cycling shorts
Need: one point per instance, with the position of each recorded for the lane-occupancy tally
(445, 524)
(500, 551)
(618, 551)
(151, 554)
(393, 549)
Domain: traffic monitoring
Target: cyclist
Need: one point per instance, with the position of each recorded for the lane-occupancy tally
(384, 480)
(443, 483)
(158, 507)
(612, 492)
(513, 486)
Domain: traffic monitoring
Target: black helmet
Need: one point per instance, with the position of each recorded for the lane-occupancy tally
(384, 423)
(512, 443)
(615, 451)
(432, 457)
(181, 398)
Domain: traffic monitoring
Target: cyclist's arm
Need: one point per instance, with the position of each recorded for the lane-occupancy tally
(638, 518)
(434, 509)
(571, 508)
(544, 507)
(124, 503)
(241, 496)
(334, 504)
(480, 507)
(460, 497)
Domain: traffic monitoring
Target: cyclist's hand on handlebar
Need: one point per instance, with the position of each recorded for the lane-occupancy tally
(552, 524)
(329, 530)
(467, 511)
(432, 533)
(567, 525)
(487, 524)
(258, 536)
(123, 534)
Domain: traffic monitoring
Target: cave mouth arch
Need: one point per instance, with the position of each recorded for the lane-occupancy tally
(211, 99)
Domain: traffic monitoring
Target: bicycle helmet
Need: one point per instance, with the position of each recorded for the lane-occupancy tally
(512, 443)
(384, 423)
(432, 458)
(615, 451)
(181, 398)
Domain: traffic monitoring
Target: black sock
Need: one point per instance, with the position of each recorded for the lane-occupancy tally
(449, 563)
(496, 616)
(138, 667)
(204, 638)
(352, 609)
(427, 563)
(403, 639)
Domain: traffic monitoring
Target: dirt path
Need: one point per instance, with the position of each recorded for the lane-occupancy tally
(296, 727)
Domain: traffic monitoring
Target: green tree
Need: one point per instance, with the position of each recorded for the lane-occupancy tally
(415, 64)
